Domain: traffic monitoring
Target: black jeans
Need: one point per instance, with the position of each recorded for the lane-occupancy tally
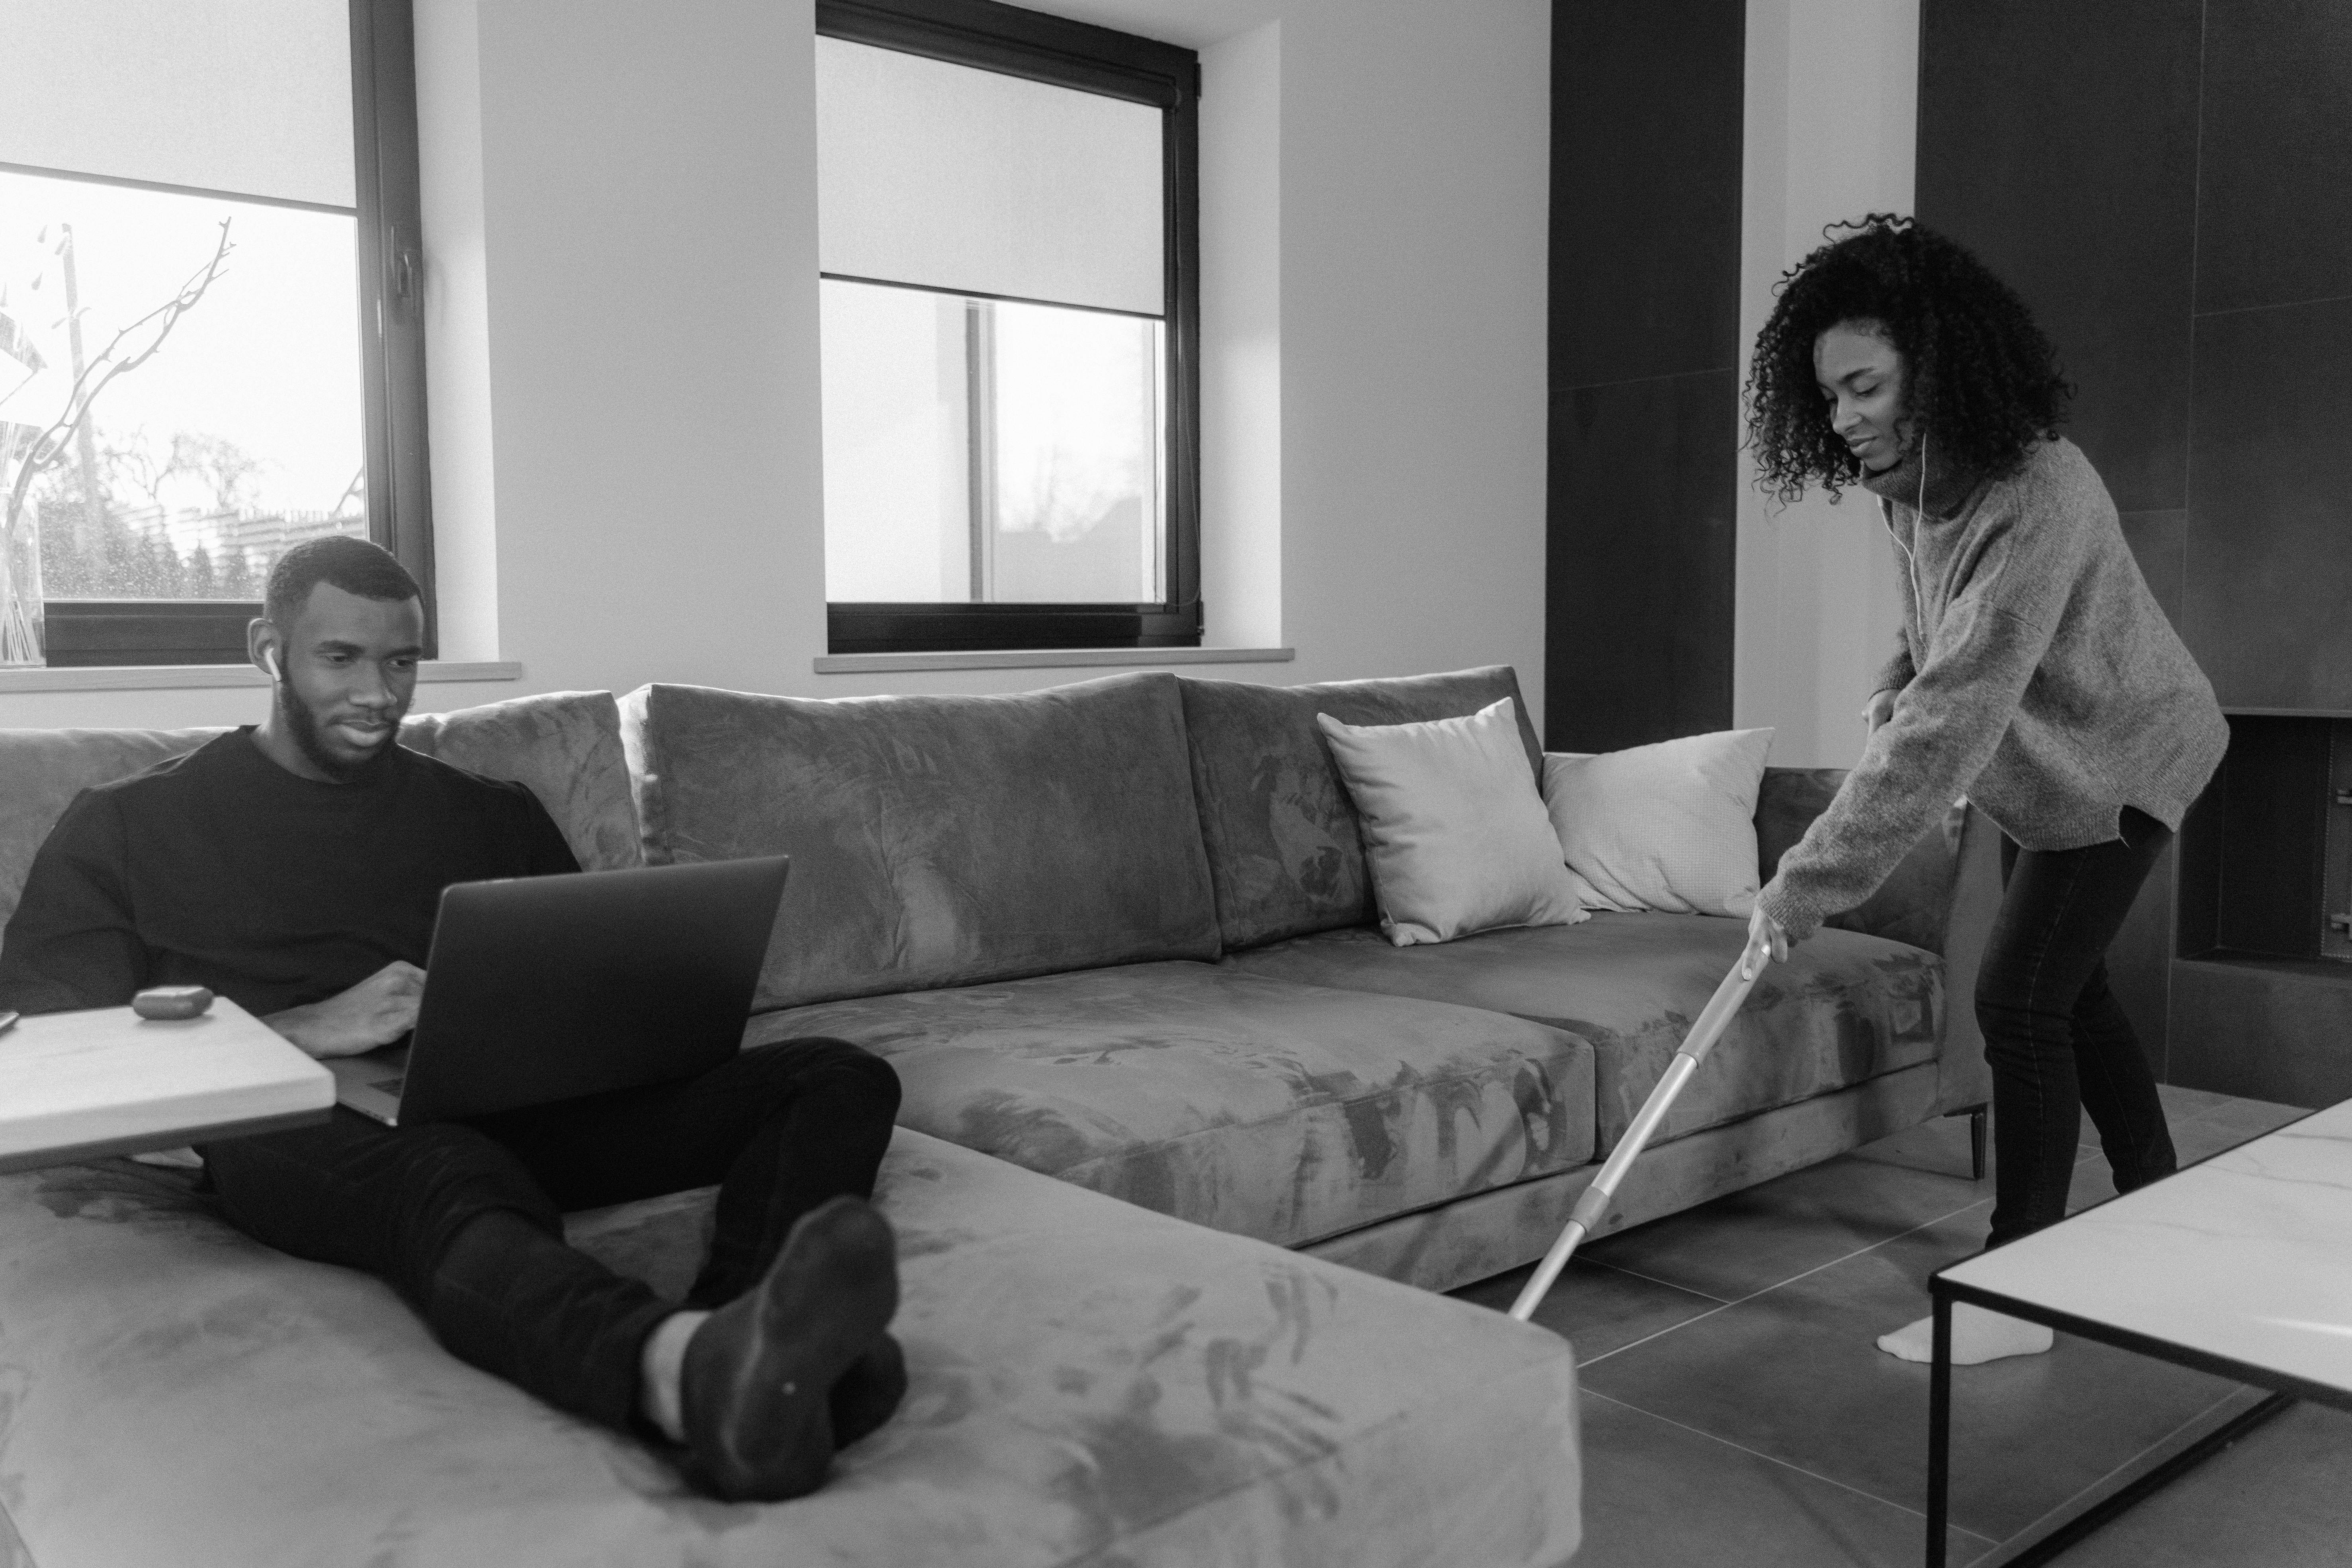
(2057, 1041)
(465, 1220)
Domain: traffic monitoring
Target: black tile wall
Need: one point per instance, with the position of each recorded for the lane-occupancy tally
(1645, 170)
(2275, 218)
(2166, 184)
(1646, 182)
(1639, 591)
(2283, 1036)
(2139, 961)
(2267, 588)
(2059, 142)
(2159, 543)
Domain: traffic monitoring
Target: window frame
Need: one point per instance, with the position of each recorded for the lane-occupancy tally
(388, 231)
(1041, 48)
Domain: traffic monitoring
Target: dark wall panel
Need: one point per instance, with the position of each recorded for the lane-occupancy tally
(2139, 964)
(2268, 592)
(2284, 1036)
(2159, 543)
(1645, 187)
(1639, 596)
(1645, 160)
(2275, 225)
(2058, 140)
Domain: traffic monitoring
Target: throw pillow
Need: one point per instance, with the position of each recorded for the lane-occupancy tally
(1670, 826)
(1453, 826)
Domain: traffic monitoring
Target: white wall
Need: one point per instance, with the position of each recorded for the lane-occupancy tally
(1832, 121)
(623, 350)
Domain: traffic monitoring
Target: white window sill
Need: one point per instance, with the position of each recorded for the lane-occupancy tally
(165, 677)
(1047, 659)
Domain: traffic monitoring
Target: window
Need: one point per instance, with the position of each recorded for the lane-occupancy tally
(1009, 299)
(210, 346)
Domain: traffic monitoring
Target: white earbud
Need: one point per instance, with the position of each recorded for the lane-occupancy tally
(269, 663)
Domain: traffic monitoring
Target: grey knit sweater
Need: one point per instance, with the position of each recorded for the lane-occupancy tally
(2037, 675)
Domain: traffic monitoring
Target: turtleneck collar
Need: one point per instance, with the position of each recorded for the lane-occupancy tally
(1948, 485)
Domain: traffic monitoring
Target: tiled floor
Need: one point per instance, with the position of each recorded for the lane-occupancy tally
(1738, 1413)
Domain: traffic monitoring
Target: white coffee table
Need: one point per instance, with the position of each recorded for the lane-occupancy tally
(76, 1086)
(2239, 1266)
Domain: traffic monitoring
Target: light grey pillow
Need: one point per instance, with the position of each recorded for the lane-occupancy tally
(1670, 826)
(1454, 828)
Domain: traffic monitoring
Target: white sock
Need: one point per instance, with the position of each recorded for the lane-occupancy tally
(660, 1366)
(1978, 1335)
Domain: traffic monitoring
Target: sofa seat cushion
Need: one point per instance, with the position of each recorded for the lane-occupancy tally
(1287, 1112)
(1845, 1008)
(938, 840)
(1090, 1385)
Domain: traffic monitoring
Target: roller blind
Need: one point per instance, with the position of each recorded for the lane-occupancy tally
(951, 178)
(247, 96)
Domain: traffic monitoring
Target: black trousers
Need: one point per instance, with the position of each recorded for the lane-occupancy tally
(465, 1219)
(2056, 1039)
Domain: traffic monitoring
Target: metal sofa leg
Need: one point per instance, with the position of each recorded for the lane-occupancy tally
(1976, 1115)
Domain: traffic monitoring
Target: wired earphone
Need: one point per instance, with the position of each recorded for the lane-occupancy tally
(1911, 561)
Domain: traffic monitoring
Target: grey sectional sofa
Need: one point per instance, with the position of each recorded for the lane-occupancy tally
(1114, 937)
(1120, 932)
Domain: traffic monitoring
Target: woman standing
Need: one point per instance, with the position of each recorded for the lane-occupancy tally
(2036, 675)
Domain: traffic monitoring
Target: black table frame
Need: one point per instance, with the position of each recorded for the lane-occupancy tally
(2286, 1390)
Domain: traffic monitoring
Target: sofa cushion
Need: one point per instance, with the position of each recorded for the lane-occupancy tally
(1090, 1385)
(938, 840)
(1283, 1111)
(1457, 839)
(1280, 831)
(566, 745)
(1845, 1008)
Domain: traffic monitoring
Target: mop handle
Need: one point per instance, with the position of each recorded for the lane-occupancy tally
(1712, 1020)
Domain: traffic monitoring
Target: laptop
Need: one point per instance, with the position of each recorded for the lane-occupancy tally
(547, 988)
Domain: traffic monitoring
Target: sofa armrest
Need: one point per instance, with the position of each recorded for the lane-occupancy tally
(1914, 905)
(1942, 897)
(1962, 1077)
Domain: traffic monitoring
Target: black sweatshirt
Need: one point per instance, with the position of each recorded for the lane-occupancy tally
(221, 869)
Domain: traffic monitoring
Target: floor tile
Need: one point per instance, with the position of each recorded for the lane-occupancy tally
(1772, 1431)
(2277, 1496)
(1658, 1495)
(2204, 1133)
(1793, 1373)
(1752, 1240)
(1938, 1148)
(2182, 1102)
(1596, 1308)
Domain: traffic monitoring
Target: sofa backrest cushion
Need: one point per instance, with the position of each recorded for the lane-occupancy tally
(566, 745)
(1281, 833)
(938, 840)
(1912, 906)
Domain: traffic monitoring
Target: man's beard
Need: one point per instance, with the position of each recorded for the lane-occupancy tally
(304, 728)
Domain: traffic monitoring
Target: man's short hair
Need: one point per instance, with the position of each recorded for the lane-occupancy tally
(355, 565)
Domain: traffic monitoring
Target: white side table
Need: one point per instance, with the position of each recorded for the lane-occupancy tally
(76, 1086)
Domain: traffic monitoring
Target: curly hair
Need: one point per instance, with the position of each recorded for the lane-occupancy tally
(1978, 373)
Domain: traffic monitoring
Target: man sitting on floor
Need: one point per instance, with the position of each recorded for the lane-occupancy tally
(295, 866)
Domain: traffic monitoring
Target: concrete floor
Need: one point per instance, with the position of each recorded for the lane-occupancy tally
(1736, 1412)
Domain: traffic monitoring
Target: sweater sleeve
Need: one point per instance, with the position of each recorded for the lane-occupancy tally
(1897, 672)
(1948, 721)
(548, 851)
(72, 942)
